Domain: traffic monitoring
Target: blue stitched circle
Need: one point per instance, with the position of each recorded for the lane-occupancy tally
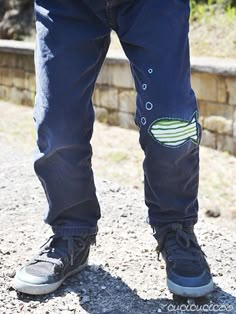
(150, 71)
(144, 86)
(143, 120)
(149, 105)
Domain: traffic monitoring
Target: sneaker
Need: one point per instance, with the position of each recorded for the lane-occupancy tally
(188, 273)
(59, 258)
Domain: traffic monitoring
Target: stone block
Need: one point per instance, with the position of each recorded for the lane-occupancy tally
(231, 87)
(210, 87)
(219, 125)
(30, 83)
(28, 98)
(16, 95)
(5, 59)
(106, 97)
(5, 77)
(18, 78)
(113, 118)
(4, 92)
(201, 121)
(116, 74)
(95, 96)
(127, 101)
(29, 64)
(101, 114)
(234, 125)
(208, 139)
(22, 97)
(226, 143)
(17, 61)
(9, 60)
(208, 108)
(13, 77)
(126, 120)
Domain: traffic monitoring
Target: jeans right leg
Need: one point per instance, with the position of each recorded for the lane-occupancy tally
(71, 45)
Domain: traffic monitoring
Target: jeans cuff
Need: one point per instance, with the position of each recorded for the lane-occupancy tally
(186, 222)
(74, 230)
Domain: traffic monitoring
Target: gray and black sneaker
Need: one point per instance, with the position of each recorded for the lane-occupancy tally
(59, 258)
(188, 273)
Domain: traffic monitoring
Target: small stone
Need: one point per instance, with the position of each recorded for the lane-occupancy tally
(11, 274)
(5, 252)
(85, 299)
(63, 307)
(71, 307)
(214, 212)
(95, 268)
(21, 306)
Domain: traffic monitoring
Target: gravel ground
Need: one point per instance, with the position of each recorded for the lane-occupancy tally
(124, 275)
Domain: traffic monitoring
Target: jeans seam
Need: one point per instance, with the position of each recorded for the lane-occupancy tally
(109, 14)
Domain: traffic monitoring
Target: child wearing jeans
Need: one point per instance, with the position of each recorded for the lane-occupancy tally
(73, 37)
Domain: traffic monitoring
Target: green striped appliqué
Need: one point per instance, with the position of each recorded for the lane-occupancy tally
(173, 132)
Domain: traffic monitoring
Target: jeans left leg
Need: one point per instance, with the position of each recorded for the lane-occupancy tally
(154, 36)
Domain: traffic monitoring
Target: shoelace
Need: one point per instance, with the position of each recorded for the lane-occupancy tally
(57, 254)
(180, 244)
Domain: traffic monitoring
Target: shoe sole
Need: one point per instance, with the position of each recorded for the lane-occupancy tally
(194, 292)
(35, 289)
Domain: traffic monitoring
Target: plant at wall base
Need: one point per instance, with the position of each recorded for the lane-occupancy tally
(231, 13)
(201, 10)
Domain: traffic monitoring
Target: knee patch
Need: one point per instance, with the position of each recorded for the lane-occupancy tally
(174, 132)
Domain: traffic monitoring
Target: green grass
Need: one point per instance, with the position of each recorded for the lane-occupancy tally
(230, 13)
(203, 10)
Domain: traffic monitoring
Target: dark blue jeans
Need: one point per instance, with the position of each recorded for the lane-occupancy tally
(73, 37)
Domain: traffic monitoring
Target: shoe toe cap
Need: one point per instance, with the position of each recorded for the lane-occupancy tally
(24, 276)
(190, 281)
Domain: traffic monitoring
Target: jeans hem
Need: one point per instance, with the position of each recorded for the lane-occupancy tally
(186, 222)
(74, 231)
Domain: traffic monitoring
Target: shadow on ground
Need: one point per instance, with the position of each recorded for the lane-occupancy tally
(100, 292)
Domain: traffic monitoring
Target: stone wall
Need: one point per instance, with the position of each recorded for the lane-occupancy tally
(17, 76)
(214, 82)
